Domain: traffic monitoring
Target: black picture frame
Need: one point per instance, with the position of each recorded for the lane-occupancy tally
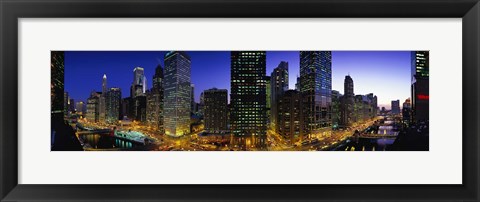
(11, 11)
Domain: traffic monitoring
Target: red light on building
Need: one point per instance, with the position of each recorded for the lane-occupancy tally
(422, 97)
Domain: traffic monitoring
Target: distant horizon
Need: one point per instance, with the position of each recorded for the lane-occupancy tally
(386, 74)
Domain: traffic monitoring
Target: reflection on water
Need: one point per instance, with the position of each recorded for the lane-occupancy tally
(97, 141)
(387, 130)
(367, 144)
(371, 143)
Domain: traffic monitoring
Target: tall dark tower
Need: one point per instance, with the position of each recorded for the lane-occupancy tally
(248, 96)
(155, 108)
(316, 89)
(158, 78)
(57, 66)
(420, 86)
(216, 110)
(278, 85)
(347, 103)
(348, 86)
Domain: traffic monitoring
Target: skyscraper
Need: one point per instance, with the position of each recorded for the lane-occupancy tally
(316, 89)
(363, 108)
(348, 86)
(71, 103)
(290, 120)
(113, 104)
(420, 86)
(57, 67)
(138, 82)
(102, 102)
(248, 95)
(406, 111)
(297, 84)
(79, 107)
(201, 105)
(395, 107)
(128, 108)
(193, 104)
(93, 111)
(155, 101)
(144, 85)
(215, 110)
(66, 103)
(336, 108)
(104, 84)
(140, 108)
(279, 84)
(177, 97)
(347, 103)
(268, 98)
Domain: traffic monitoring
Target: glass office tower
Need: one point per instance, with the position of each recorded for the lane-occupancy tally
(177, 100)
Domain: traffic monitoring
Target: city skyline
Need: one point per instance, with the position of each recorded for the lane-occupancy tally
(263, 114)
(389, 70)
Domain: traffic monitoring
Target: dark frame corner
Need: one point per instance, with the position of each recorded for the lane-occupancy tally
(11, 11)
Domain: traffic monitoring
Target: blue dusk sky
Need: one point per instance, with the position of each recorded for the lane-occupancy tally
(384, 73)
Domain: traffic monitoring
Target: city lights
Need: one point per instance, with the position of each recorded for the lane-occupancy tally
(239, 101)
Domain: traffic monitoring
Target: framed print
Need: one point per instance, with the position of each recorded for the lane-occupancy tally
(228, 100)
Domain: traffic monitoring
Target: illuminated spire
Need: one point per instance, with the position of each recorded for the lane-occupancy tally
(104, 84)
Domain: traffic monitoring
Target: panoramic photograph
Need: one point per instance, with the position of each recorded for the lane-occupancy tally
(239, 100)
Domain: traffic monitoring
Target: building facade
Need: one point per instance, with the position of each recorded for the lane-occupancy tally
(406, 111)
(363, 108)
(269, 99)
(138, 83)
(279, 85)
(395, 107)
(316, 89)
(80, 107)
(57, 66)
(66, 104)
(290, 120)
(215, 116)
(93, 111)
(140, 108)
(347, 103)
(177, 93)
(248, 96)
(155, 101)
(336, 109)
(102, 104)
(420, 86)
(113, 105)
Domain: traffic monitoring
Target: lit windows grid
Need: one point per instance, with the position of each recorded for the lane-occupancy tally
(248, 88)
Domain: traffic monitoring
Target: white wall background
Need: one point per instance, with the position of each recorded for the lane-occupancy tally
(441, 165)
